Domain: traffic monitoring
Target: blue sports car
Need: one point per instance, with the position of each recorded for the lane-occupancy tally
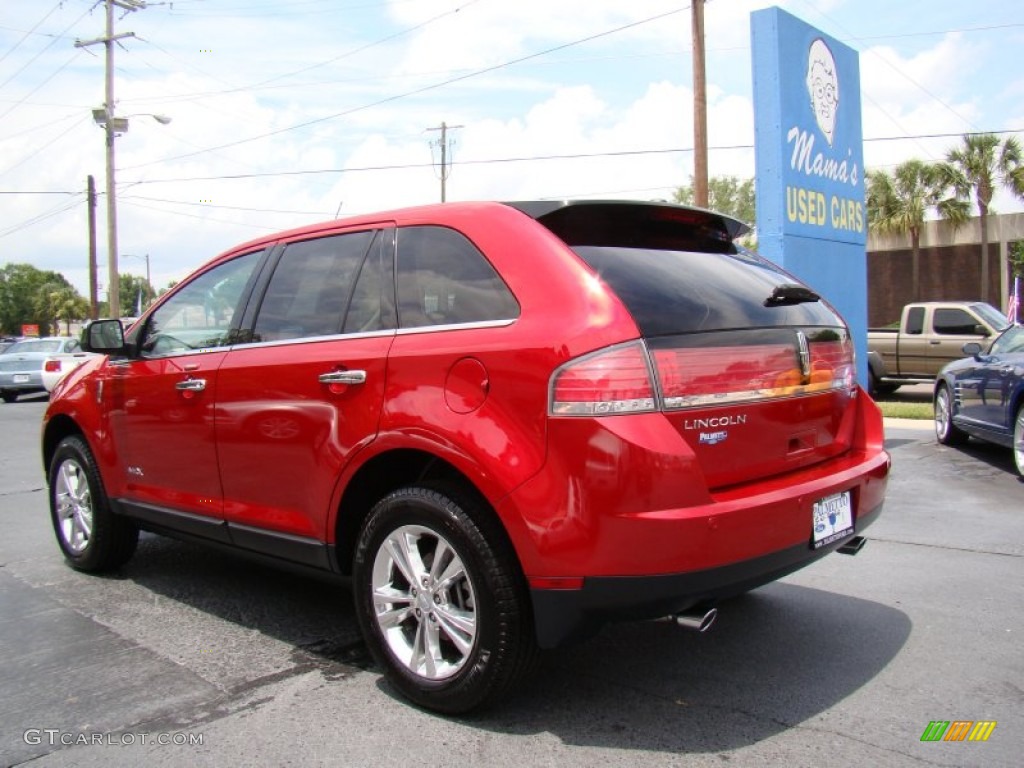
(982, 395)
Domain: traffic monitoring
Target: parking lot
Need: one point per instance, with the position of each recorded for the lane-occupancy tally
(231, 662)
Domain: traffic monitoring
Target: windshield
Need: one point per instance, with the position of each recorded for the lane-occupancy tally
(992, 316)
(44, 346)
(1011, 342)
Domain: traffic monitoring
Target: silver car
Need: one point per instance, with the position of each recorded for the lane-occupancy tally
(21, 365)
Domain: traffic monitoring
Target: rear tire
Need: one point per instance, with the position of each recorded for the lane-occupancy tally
(946, 432)
(90, 535)
(8, 397)
(441, 601)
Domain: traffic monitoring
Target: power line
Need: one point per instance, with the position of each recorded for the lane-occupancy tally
(24, 37)
(416, 91)
(523, 159)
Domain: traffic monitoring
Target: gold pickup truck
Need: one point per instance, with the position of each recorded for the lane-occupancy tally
(930, 334)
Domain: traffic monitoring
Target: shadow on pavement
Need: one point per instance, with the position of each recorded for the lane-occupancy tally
(776, 658)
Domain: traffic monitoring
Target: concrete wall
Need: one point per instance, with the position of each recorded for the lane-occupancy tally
(950, 265)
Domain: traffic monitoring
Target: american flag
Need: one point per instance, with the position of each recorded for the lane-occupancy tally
(1014, 306)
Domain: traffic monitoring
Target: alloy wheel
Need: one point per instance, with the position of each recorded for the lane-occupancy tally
(424, 602)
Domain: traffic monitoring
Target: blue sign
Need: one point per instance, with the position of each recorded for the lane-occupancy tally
(811, 215)
(811, 147)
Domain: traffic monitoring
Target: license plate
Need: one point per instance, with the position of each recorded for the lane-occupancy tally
(21, 378)
(832, 519)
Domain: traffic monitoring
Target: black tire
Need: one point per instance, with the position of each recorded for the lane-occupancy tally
(1018, 440)
(476, 620)
(90, 535)
(877, 390)
(8, 396)
(946, 432)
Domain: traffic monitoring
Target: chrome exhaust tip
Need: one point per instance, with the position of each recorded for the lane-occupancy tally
(700, 620)
(853, 546)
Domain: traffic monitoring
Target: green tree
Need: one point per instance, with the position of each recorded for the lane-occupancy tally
(980, 164)
(726, 194)
(64, 303)
(135, 291)
(21, 286)
(901, 203)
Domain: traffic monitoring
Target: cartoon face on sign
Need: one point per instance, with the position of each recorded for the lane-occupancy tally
(823, 87)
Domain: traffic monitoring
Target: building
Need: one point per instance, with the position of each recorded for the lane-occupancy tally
(950, 267)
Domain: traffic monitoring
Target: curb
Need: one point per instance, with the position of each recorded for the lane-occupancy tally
(920, 424)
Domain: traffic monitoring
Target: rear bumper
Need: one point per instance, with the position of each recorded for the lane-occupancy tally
(566, 615)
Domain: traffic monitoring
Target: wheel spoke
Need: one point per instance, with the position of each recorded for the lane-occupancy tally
(452, 573)
(458, 626)
(405, 557)
(425, 651)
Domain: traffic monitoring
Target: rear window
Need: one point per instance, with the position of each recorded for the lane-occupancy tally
(678, 271)
(674, 292)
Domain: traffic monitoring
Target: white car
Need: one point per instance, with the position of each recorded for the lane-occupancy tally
(21, 364)
(56, 367)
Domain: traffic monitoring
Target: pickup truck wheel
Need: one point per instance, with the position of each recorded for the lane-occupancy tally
(946, 432)
(441, 601)
(1018, 440)
(90, 535)
(879, 390)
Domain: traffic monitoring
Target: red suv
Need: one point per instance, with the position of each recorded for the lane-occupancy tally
(507, 423)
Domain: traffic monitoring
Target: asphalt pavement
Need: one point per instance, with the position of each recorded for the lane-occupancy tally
(190, 656)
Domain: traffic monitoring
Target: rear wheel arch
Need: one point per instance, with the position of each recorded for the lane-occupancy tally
(393, 470)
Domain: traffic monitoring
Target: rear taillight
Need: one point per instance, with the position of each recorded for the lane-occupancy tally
(52, 366)
(692, 376)
(620, 379)
(612, 381)
(702, 376)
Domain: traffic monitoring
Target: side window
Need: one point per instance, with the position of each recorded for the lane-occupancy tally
(364, 310)
(954, 322)
(915, 320)
(200, 314)
(444, 280)
(309, 292)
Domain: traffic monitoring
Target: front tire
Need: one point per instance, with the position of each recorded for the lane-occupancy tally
(1018, 440)
(90, 535)
(441, 601)
(946, 432)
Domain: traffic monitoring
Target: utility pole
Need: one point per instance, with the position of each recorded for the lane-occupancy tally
(700, 108)
(94, 310)
(445, 161)
(106, 118)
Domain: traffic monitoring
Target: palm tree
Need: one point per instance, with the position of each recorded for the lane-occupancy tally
(900, 203)
(977, 166)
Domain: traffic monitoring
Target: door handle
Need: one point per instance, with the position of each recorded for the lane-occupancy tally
(343, 377)
(191, 385)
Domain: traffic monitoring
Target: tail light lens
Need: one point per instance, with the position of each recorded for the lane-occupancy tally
(620, 379)
(612, 381)
(691, 377)
(52, 366)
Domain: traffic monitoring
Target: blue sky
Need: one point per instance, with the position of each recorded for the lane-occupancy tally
(285, 112)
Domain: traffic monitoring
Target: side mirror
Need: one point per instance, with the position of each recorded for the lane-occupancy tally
(105, 337)
(981, 330)
(971, 348)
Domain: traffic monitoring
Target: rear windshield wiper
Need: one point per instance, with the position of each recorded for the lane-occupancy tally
(788, 294)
